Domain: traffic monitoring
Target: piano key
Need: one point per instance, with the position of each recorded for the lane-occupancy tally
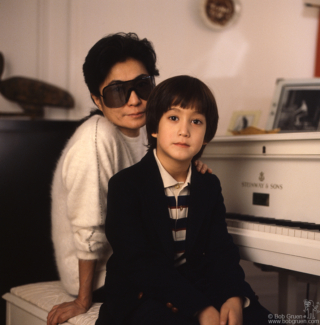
(311, 234)
(285, 231)
(291, 232)
(304, 234)
(308, 231)
(297, 233)
(267, 228)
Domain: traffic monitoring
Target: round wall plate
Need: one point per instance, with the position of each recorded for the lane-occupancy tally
(219, 14)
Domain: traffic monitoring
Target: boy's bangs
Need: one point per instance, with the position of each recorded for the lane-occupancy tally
(189, 98)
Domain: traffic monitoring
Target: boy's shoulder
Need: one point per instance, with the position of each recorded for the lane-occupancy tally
(205, 179)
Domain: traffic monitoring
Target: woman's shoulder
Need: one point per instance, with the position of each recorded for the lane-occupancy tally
(95, 128)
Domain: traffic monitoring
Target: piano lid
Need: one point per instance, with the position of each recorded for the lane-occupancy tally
(272, 175)
(282, 145)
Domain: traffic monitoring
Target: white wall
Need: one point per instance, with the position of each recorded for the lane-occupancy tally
(48, 39)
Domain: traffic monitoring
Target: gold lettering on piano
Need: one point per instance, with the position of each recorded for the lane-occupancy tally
(249, 184)
(262, 185)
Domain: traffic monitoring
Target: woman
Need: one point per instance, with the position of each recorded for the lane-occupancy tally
(119, 71)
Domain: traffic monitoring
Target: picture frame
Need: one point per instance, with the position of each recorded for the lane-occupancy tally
(295, 106)
(243, 119)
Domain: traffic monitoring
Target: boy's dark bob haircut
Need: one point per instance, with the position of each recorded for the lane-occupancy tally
(186, 92)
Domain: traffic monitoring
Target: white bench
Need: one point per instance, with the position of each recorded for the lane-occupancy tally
(29, 304)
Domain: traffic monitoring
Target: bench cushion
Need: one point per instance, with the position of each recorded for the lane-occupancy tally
(47, 294)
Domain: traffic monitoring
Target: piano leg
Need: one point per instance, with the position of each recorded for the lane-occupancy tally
(287, 293)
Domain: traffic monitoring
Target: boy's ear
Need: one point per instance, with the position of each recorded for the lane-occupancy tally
(155, 135)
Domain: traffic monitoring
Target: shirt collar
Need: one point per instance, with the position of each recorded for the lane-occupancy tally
(167, 179)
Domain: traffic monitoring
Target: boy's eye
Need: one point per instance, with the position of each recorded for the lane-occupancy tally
(197, 122)
(173, 118)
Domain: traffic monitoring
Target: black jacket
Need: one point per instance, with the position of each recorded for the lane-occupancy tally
(142, 265)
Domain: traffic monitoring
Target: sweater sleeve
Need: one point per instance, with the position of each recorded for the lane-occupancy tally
(85, 176)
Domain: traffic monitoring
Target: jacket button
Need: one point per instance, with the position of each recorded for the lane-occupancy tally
(169, 305)
(140, 295)
(174, 309)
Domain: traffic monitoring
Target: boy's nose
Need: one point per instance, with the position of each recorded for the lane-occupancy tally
(184, 130)
(134, 99)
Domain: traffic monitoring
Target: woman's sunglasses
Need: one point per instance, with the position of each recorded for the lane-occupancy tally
(118, 94)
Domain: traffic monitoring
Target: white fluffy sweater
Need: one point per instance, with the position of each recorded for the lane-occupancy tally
(95, 152)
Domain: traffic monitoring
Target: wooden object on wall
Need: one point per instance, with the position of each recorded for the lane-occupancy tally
(32, 95)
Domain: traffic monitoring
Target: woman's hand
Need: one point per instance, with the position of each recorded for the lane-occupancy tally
(201, 167)
(61, 313)
(231, 312)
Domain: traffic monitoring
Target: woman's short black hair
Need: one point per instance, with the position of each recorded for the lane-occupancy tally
(186, 92)
(112, 49)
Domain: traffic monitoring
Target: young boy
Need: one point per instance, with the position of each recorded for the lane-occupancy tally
(173, 260)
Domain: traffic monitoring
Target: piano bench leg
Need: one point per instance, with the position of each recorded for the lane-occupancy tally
(287, 293)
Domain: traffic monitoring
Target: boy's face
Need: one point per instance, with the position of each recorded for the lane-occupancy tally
(180, 135)
(131, 116)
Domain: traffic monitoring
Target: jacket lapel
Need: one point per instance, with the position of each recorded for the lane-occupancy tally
(197, 211)
(156, 202)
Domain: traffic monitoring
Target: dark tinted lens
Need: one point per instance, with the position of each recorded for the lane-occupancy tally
(117, 95)
(114, 96)
(143, 87)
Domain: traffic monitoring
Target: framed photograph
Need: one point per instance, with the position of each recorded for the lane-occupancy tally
(242, 119)
(295, 106)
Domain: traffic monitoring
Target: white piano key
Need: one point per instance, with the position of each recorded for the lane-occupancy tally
(317, 235)
(285, 231)
(256, 226)
(234, 223)
(267, 228)
(297, 233)
(246, 225)
(310, 234)
(242, 224)
(279, 230)
(250, 225)
(304, 234)
(273, 229)
(291, 232)
(261, 227)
